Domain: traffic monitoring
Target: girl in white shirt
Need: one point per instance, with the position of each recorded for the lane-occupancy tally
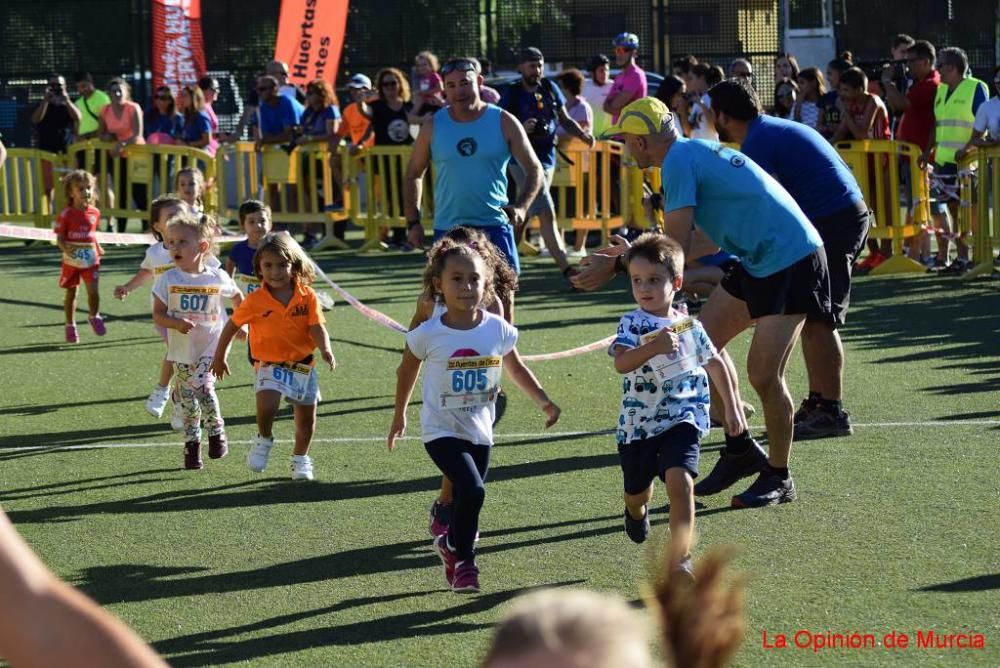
(464, 349)
(187, 302)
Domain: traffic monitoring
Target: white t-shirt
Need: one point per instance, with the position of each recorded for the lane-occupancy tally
(462, 369)
(596, 95)
(666, 390)
(988, 118)
(158, 260)
(198, 298)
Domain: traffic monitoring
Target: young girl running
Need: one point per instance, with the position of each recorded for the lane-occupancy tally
(158, 260)
(430, 306)
(187, 301)
(76, 236)
(286, 326)
(464, 349)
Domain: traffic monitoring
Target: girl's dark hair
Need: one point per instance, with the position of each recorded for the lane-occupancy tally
(777, 87)
(791, 61)
(154, 111)
(164, 201)
(447, 247)
(504, 278)
(843, 63)
(669, 87)
(284, 246)
(684, 63)
(855, 78)
(814, 75)
(572, 80)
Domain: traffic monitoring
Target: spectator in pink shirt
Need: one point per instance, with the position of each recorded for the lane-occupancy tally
(210, 87)
(630, 84)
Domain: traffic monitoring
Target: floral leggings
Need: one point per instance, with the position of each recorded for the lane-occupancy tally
(196, 386)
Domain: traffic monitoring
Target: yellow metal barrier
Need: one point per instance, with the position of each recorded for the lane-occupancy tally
(384, 169)
(876, 165)
(141, 172)
(23, 198)
(582, 197)
(981, 215)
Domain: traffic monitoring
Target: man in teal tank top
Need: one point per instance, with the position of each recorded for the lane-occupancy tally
(470, 143)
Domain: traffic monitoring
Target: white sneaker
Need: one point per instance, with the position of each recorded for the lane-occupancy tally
(302, 467)
(157, 401)
(259, 453)
(577, 253)
(176, 413)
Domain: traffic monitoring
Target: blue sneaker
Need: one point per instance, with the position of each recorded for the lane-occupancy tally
(637, 530)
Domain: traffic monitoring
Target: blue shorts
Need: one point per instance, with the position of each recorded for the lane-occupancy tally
(501, 236)
(649, 458)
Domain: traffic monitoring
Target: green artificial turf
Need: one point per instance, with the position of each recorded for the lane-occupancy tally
(895, 528)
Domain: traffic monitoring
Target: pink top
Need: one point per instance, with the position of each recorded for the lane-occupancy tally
(121, 126)
(213, 120)
(632, 79)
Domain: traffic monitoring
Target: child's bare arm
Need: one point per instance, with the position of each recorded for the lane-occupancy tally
(141, 276)
(524, 379)
(718, 372)
(628, 360)
(161, 318)
(406, 378)
(219, 365)
(230, 266)
(322, 339)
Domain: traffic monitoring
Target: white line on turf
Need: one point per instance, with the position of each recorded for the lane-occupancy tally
(499, 437)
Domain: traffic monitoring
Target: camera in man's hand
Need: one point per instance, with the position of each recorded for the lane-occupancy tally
(543, 129)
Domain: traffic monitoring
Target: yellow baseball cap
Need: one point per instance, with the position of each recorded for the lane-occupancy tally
(645, 116)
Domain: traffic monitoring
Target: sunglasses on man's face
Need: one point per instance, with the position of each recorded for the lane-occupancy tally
(458, 66)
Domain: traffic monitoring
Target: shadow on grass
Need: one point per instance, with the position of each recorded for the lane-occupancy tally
(253, 493)
(210, 648)
(978, 583)
(87, 348)
(87, 484)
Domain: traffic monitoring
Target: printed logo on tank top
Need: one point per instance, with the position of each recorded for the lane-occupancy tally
(467, 147)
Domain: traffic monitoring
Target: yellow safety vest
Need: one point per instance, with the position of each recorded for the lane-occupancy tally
(954, 117)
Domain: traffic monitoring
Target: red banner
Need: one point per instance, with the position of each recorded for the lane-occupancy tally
(310, 38)
(178, 49)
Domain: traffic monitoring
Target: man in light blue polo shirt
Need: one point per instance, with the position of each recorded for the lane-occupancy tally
(780, 279)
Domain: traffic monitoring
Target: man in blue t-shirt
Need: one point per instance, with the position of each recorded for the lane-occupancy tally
(277, 114)
(821, 184)
(540, 106)
(780, 280)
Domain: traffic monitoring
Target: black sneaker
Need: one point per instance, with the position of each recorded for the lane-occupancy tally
(501, 406)
(956, 268)
(731, 468)
(822, 423)
(637, 530)
(192, 455)
(806, 408)
(767, 490)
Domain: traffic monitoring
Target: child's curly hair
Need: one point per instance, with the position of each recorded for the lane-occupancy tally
(203, 226)
(447, 247)
(284, 246)
(504, 278)
(80, 177)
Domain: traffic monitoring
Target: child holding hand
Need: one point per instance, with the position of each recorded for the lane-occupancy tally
(286, 326)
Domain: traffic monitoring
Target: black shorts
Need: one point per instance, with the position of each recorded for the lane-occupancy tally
(646, 459)
(844, 234)
(803, 287)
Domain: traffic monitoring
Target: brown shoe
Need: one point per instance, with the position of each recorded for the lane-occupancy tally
(218, 447)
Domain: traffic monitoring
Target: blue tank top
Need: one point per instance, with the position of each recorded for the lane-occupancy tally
(470, 164)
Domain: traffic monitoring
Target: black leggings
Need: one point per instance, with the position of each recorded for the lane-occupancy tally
(465, 465)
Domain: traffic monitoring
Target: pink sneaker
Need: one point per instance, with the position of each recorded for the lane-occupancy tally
(440, 518)
(72, 334)
(97, 322)
(448, 557)
(466, 577)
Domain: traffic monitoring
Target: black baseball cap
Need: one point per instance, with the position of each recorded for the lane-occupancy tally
(530, 55)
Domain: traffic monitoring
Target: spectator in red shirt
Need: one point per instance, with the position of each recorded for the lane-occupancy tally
(916, 125)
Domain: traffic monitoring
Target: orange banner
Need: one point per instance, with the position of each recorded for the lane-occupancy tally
(310, 38)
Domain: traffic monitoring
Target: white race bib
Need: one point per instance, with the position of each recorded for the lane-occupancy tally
(81, 256)
(291, 380)
(194, 303)
(471, 381)
(246, 284)
(688, 356)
